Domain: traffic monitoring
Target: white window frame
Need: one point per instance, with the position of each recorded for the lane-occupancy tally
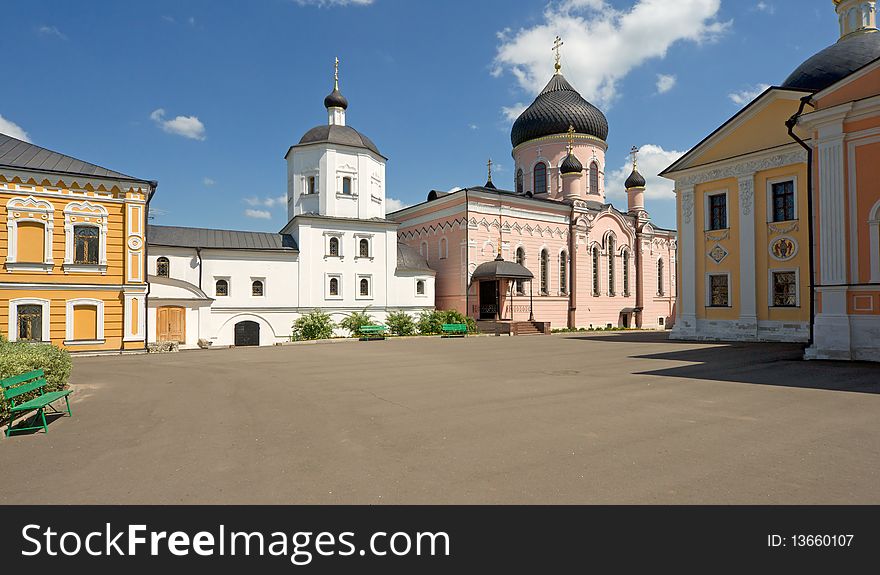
(357, 287)
(29, 209)
(425, 281)
(340, 186)
(261, 280)
(707, 210)
(340, 236)
(708, 290)
(68, 321)
(85, 214)
(797, 288)
(357, 246)
(12, 331)
(770, 210)
(228, 281)
(305, 182)
(338, 278)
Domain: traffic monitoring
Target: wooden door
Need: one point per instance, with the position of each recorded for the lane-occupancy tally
(171, 324)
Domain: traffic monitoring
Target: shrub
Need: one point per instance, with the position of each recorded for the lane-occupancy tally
(356, 321)
(452, 316)
(431, 322)
(18, 358)
(314, 325)
(401, 323)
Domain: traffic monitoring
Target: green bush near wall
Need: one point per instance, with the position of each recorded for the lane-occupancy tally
(431, 322)
(18, 358)
(400, 323)
(314, 325)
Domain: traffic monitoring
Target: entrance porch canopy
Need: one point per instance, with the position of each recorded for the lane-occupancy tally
(499, 269)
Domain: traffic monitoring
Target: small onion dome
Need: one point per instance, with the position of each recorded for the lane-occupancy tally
(335, 100)
(490, 185)
(571, 165)
(635, 180)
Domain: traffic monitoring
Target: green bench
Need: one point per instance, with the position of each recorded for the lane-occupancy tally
(454, 330)
(372, 332)
(14, 387)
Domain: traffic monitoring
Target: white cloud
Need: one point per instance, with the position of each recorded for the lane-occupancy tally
(329, 3)
(765, 7)
(745, 96)
(473, 127)
(186, 126)
(511, 113)
(258, 214)
(653, 159)
(603, 44)
(208, 181)
(393, 204)
(665, 82)
(266, 202)
(51, 31)
(10, 128)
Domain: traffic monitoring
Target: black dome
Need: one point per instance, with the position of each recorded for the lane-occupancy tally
(635, 180)
(333, 134)
(571, 165)
(335, 100)
(835, 62)
(557, 107)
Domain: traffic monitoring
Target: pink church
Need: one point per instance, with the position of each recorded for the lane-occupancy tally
(551, 252)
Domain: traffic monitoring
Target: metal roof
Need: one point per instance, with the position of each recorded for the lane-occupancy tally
(220, 239)
(15, 153)
(835, 62)
(500, 269)
(343, 135)
(409, 258)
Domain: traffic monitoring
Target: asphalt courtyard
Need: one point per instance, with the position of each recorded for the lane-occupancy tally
(576, 418)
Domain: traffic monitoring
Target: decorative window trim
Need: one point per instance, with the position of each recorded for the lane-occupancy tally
(357, 287)
(596, 269)
(425, 284)
(12, 331)
(85, 213)
(29, 209)
(338, 278)
(709, 290)
(544, 270)
(228, 285)
(661, 279)
(305, 182)
(357, 244)
(626, 275)
(341, 174)
(168, 261)
(547, 167)
(590, 172)
(262, 280)
(707, 210)
(563, 260)
(339, 237)
(797, 287)
(770, 207)
(68, 321)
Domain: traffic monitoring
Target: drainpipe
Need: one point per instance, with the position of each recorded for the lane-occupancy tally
(572, 271)
(153, 185)
(790, 124)
(199, 255)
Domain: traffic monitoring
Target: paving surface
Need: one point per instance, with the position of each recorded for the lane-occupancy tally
(579, 418)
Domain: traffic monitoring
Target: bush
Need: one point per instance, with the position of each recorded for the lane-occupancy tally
(431, 322)
(18, 358)
(452, 316)
(356, 321)
(401, 323)
(314, 325)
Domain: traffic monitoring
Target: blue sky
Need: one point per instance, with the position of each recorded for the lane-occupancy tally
(207, 96)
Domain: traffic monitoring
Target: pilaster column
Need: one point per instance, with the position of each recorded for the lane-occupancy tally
(748, 317)
(686, 322)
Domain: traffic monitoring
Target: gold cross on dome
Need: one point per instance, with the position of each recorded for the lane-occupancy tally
(557, 43)
(570, 138)
(336, 74)
(489, 165)
(634, 152)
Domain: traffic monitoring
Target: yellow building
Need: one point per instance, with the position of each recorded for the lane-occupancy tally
(746, 203)
(73, 251)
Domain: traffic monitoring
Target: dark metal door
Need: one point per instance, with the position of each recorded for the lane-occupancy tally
(247, 333)
(488, 299)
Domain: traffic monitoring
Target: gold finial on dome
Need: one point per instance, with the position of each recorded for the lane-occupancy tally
(634, 152)
(570, 138)
(557, 43)
(489, 165)
(336, 74)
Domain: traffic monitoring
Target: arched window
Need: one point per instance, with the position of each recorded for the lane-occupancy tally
(365, 286)
(364, 247)
(594, 178)
(660, 277)
(596, 270)
(334, 246)
(563, 272)
(163, 267)
(545, 272)
(420, 287)
(612, 248)
(257, 288)
(519, 181)
(86, 240)
(521, 260)
(626, 272)
(221, 288)
(334, 286)
(423, 249)
(540, 178)
(444, 249)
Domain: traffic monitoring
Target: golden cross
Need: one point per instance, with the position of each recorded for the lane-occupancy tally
(557, 43)
(634, 152)
(489, 165)
(336, 75)
(570, 138)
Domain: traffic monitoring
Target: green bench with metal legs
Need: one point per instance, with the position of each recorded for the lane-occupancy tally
(372, 332)
(454, 330)
(19, 385)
